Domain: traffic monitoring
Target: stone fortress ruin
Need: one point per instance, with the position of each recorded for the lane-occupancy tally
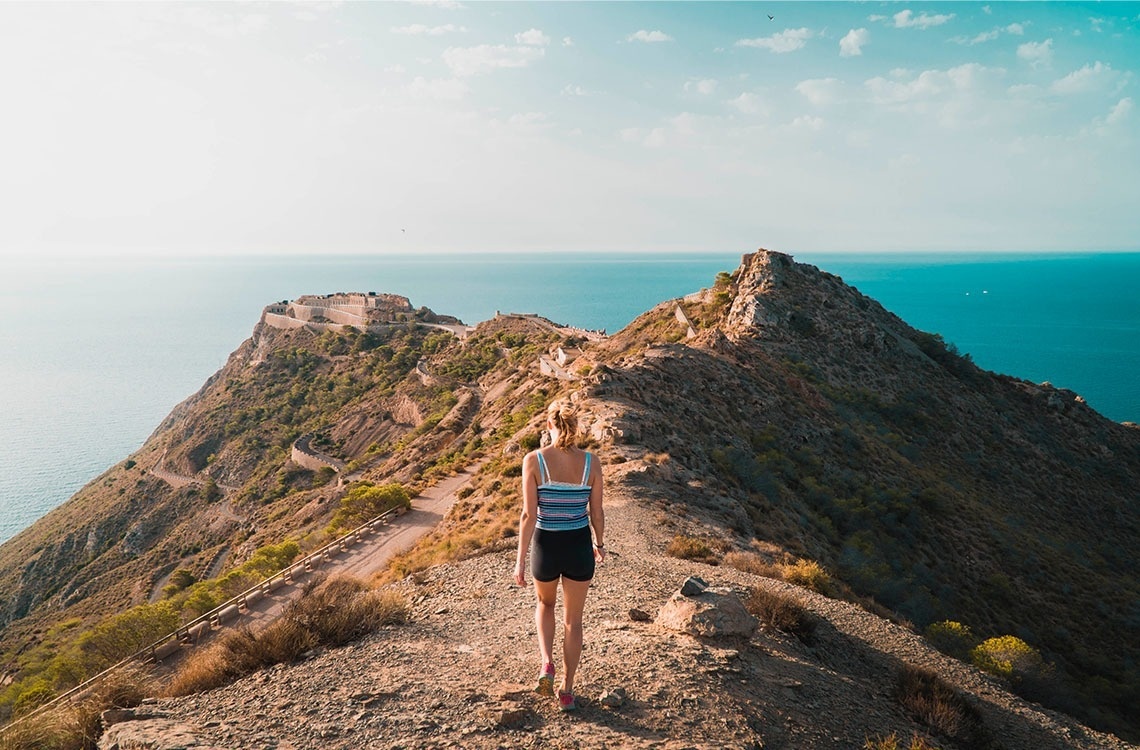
(362, 310)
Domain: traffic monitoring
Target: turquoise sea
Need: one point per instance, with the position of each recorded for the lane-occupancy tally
(93, 354)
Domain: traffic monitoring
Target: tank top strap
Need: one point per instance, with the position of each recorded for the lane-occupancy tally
(543, 474)
(586, 470)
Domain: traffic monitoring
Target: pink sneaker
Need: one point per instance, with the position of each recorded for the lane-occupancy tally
(545, 680)
(566, 701)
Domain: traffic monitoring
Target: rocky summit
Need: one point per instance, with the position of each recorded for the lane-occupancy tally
(871, 518)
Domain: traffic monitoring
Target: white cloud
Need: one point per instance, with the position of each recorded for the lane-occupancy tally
(222, 24)
(419, 29)
(1096, 77)
(533, 37)
(987, 10)
(529, 122)
(928, 84)
(1097, 24)
(818, 91)
(1120, 111)
(654, 138)
(747, 103)
(905, 19)
(1037, 54)
(648, 36)
(1017, 29)
(685, 124)
(469, 61)
(985, 36)
(852, 44)
(442, 89)
(788, 40)
(395, 69)
(630, 135)
(1105, 126)
(567, 41)
(574, 90)
(705, 86)
(876, 18)
(808, 122)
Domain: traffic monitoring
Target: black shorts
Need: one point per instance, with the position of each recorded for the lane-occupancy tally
(562, 553)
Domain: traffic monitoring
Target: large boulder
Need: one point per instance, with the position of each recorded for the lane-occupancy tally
(702, 610)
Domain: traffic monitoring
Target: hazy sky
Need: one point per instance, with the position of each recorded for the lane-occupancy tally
(170, 128)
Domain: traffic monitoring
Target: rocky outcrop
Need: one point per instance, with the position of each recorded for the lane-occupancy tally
(700, 610)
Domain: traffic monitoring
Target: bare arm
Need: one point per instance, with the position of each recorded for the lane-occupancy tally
(597, 513)
(528, 516)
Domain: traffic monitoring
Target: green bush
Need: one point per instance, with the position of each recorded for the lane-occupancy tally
(1007, 656)
(951, 638)
(365, 501)
(809, 574)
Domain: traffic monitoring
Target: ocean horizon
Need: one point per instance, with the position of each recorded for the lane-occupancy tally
(97, 352)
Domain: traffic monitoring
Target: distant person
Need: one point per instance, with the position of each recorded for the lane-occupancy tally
(562, 500)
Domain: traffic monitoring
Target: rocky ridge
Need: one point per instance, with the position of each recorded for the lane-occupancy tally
(789, 414)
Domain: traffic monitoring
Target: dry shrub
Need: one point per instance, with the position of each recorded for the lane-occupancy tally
(76, 725)
(782, 612)
(750, 562)
(45, 731)
(201, 671)
(892, 742)
(691, 548)
(939, 705)
(340, 610)
(809, 574)
(330, 612)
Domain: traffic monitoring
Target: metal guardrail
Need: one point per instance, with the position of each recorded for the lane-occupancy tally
(190, 633)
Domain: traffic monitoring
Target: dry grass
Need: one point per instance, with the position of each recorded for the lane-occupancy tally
(691, 548)
(76, 725)
(782, 612)
(937, 704)
(892, 742)
(330, 612)
(750, 562)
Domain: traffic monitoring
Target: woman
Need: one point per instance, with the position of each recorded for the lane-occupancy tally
(562, 500)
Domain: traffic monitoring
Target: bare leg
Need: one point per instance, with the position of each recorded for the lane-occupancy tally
(547, 595)
(573, 603)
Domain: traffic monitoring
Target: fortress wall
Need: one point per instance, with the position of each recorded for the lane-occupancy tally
(305, 455)
(301, 458)
(284, 322)
(303, 312)
(345, 317)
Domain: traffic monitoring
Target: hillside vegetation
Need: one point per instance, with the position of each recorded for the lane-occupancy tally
(801, 432)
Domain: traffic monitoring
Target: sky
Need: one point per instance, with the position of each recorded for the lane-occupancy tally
(177, 129)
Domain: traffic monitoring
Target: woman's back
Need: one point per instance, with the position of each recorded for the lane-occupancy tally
(563, 499)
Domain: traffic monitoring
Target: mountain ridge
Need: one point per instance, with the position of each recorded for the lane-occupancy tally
(799, 415)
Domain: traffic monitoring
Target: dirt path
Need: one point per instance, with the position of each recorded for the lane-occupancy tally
(362, 559)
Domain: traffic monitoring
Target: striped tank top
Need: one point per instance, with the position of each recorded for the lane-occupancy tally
(562, 505)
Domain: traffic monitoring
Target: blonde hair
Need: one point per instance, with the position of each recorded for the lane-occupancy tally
(564, 416)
